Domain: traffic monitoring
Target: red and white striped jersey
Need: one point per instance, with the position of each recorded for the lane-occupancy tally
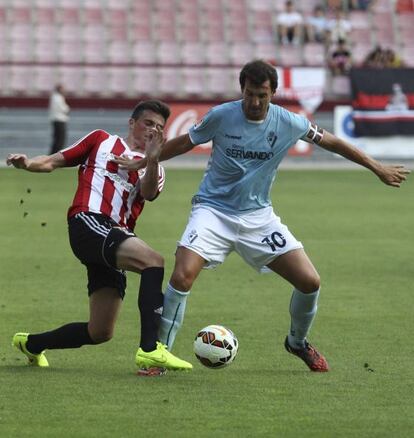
(102, 186)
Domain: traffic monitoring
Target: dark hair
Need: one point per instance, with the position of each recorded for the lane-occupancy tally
(257, 72)
(155, 106)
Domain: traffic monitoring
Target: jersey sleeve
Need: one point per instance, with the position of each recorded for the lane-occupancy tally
(300, 125)
(79, 151)
(206, 129)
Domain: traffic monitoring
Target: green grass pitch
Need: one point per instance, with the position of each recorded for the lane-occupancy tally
(358, 232)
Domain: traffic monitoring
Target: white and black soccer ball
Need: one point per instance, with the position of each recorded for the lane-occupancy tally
(215, 346)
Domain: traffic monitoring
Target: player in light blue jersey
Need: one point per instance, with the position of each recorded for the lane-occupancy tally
(232, 210)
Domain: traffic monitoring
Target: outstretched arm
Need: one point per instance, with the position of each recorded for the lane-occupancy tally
(389, 174)
(176, 146)
(41, 163)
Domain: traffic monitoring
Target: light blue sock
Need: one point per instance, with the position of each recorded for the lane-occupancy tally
(302, 309)
(172, 315)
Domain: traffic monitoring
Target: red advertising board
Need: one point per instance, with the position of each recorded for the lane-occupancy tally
(185, 115)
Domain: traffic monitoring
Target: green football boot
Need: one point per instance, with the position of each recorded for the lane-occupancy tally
(37, 360)
(160, 358)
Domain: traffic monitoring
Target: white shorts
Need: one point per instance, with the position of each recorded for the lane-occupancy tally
(258, 237)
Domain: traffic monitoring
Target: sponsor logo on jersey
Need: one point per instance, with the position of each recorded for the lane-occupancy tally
(236, 152)
(235, 137)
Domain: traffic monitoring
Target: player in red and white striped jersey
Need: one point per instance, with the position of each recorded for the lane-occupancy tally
(101, 221)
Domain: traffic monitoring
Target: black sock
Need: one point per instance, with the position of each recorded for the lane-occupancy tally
(150, 301)
(72, 335)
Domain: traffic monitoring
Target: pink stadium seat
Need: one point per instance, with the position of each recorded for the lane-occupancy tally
(193, 81)
(237, 32)
(70, 51)
(95, 51)
(44, 15)
(169, 82)
(314, 54)
(360, 36)
(69, 32)
(236, 5)
(93, 16)
(407, 55)
(144, 81)
(213, 32)
(143, 52)
(217, 81)
(341, 85)
(20, 32)
(168, 53)
(72, 79)
(94, 32)
(192, 53)
(360, 52)
(20, 79)
(4, 50)
(118, 52)
(216, 5)
(384, 37)
(69, 15)
(405, 21)
(407, 36)
(189, 33)
(188, 16)
(20, 14)
(45, 32)
(141, 32)
(289, 56)
(261, 5)
(382, 6)
(165, 32)
(46, 51)
(359, 20)
(217, 53)
(382, 20)
(240, 53)
(117, 33)
(44, 79)
(20, 51)
(117, 17)
(119, 80)
(267, 51)
(116, 4)
(95, 81)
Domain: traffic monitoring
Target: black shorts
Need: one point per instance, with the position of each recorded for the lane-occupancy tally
(95, 239)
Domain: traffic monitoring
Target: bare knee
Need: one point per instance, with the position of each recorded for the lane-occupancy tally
(182, 279)
(100, 335)
(309, 283)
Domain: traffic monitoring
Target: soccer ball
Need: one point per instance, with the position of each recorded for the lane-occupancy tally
(215, 346)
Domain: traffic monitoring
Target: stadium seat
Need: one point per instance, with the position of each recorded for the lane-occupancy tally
(360, 52)
(94, 32)
(240, 53)
(217, 81)
(165, 32)
(212, 5)
(72, 79)
(213, 32)
(44, 15)
(144, 81)
(193, 82)
(188, 33)
(217, 53)
(407, 36)
(237, 32)
(314, 54)
(169, 82)
(141, 32)
(95, 81)
(289, 56)
(93, 15)
(116, 17)
(192, 53)
(70, 51)
(69, 15)
(168, 53)
(118, 52)
(20, 32)
(143, 52)
(341, 85)
(21, 51)
(119, 80)
(44, 79)
(261, 5)
(359, 20)
(20, 14)
(69, 32)
(20, 79)
(404, 6)
(267, 51)
(46, 51)
(382, 6)
(407, 55)
(95, 51)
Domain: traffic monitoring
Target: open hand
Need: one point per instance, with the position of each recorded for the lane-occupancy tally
(20, 161)
(393, 175)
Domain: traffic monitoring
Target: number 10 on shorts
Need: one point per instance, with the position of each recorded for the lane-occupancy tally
(275, 241)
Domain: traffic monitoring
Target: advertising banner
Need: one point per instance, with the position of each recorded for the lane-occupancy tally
(383, 102)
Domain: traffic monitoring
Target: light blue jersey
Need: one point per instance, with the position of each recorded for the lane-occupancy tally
(245, 155)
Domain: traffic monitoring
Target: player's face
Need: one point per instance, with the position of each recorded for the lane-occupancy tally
(256, 100)
(148, 122)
